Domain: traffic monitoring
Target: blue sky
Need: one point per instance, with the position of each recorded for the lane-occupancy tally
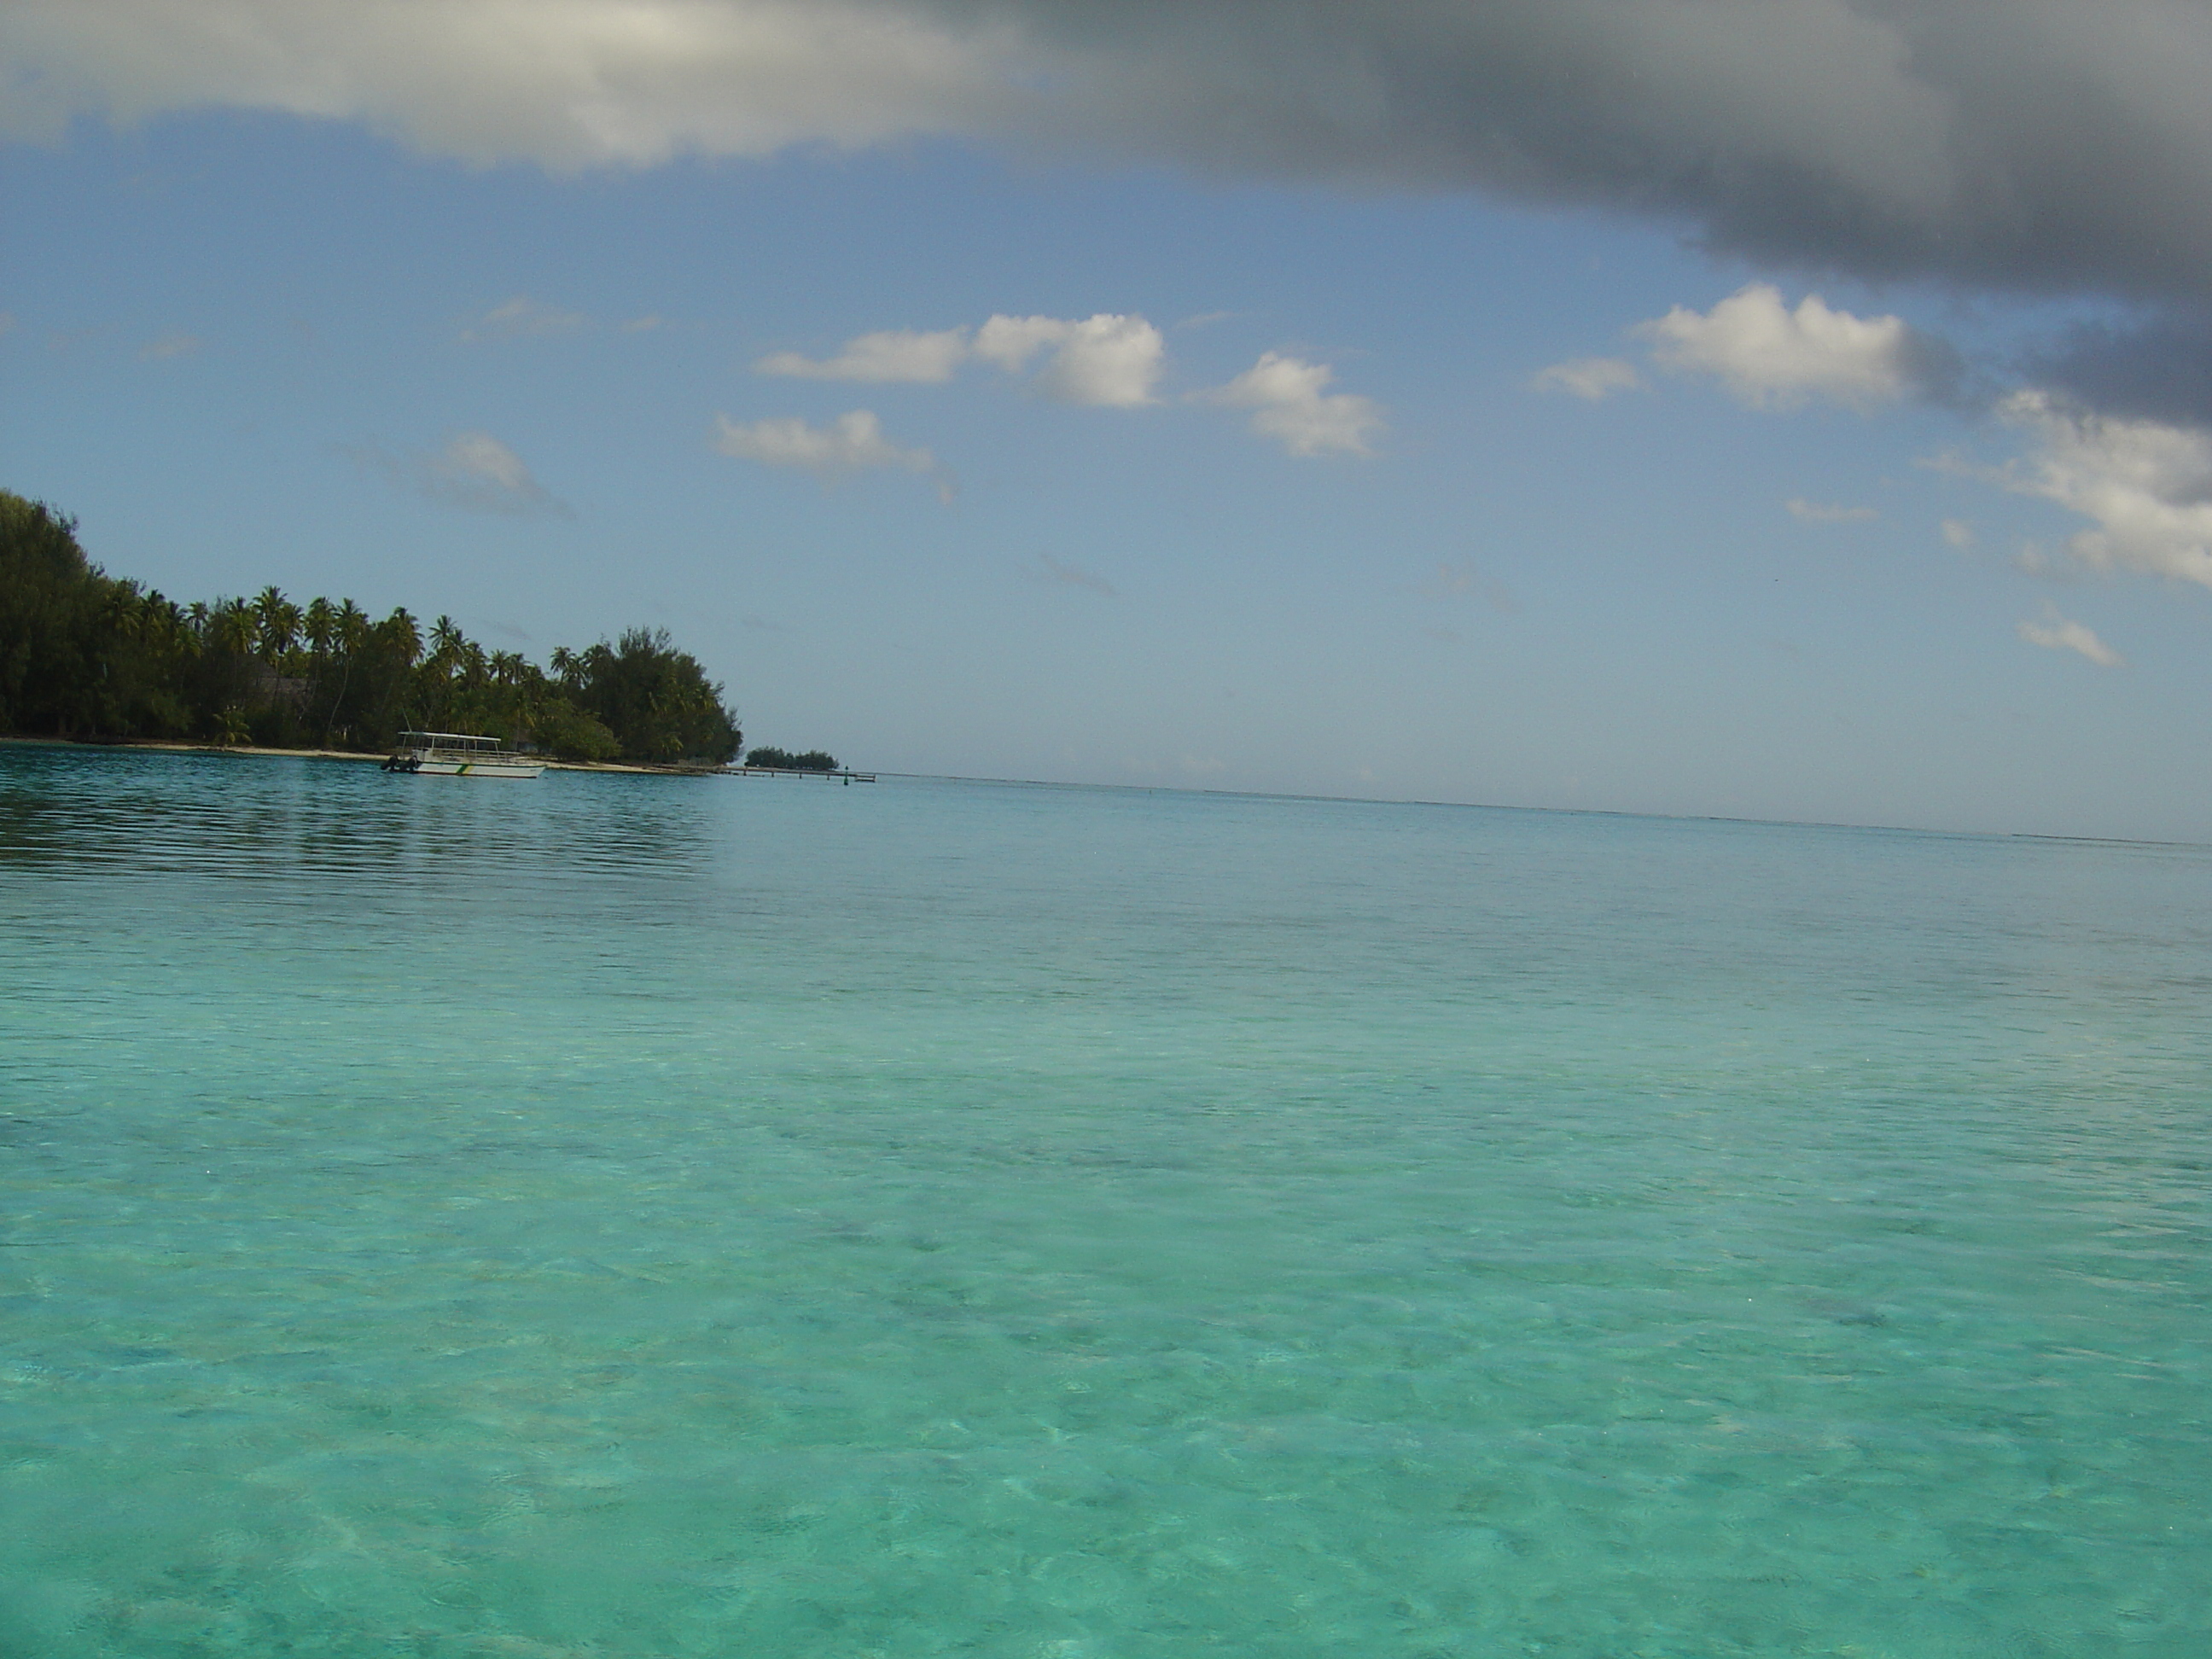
(1260, 482)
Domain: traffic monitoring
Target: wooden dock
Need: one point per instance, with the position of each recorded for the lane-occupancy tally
(840, 775)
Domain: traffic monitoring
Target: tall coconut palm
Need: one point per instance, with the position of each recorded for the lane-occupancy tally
(401, 630)
(230, 626)
(228, 637)
(319, 626)
(350, 626)
(276, 625)
(348, 635)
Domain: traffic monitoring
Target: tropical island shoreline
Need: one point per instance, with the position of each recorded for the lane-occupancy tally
(89, 658)
(268, 751)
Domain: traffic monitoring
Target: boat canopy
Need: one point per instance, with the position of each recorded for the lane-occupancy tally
(446, 740)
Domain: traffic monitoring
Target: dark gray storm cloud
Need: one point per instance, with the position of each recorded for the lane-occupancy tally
(2039, 146)
(2158, 370)
(2026, 147)
(2035, 145)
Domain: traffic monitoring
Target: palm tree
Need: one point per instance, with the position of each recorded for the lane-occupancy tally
(230, 626)
(227, 634)
(161, 621)
(123, 611)
(402, 629)
(349, 633)
(276, 625)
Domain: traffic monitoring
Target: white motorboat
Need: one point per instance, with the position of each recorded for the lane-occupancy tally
(459, 754)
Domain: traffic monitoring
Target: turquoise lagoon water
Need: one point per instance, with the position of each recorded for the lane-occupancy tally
(637, 1217)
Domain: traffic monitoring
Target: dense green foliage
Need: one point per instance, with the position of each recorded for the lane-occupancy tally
(85, 655)
(812, 761)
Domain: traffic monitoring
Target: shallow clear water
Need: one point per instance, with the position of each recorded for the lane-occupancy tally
(641, 1216)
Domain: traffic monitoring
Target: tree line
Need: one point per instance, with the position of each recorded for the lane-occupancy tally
(814, 760)
(93, 657)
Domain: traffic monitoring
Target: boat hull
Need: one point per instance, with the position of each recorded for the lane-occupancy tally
(465, 766)
(483, 768)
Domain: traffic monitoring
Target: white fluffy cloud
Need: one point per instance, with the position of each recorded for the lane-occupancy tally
(1010, 342)
(2056, 632)
(1772, 357)
(1290, 403)
(2145, 486)
(888, 355)
(1594, 377)
(1109, 361)
(849, 443)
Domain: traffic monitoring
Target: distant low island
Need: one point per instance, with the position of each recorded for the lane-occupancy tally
(95, 658)
(778, 760)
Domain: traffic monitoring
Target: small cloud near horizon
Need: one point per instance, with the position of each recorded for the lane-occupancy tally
(1051, 570)
(2060, 633)
(1109, 360)
(1451, 580)
(854, 441)
(888, 356)
(2033, 560)
(1592, 379)
(521, 317)
(474, 472)
(169, 345)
